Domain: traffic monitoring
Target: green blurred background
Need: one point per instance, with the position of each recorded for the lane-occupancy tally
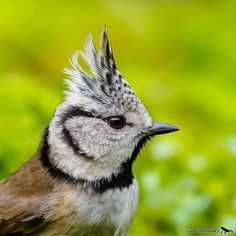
(180, 58)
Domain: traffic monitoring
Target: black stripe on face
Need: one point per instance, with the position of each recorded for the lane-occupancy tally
(77, 111)
(69, 114)
(73, 144)
(44, 157)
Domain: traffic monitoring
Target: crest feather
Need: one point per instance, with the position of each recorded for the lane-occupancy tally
(106, 83)
(99, 62)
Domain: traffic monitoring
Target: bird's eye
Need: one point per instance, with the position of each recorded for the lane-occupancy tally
(116, 122)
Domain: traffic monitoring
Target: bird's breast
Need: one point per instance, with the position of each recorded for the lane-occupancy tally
(111, 211)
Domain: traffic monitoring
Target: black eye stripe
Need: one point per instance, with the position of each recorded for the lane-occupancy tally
(79, 112)
(76, 112)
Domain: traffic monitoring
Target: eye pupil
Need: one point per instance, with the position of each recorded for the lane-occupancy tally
(117, 122)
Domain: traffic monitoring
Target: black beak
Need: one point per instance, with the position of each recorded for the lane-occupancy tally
(160, 128)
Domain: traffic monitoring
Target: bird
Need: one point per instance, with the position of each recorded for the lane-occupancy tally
(80, 180)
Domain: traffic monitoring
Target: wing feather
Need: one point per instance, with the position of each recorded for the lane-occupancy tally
(23, 200)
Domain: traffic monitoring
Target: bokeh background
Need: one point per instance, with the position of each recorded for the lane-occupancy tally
(180, 58)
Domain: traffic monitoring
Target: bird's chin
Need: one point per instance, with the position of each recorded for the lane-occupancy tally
(142, 141)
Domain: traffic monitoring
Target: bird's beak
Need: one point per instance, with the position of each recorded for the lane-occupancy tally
(159, 128)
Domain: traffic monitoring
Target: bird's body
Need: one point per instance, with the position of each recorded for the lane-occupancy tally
(80, 181)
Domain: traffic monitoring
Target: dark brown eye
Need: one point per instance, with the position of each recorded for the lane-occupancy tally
(116, 122)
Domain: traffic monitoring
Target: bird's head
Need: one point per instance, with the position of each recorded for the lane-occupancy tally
(101, 123)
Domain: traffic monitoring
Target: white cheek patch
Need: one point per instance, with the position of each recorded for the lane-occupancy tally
(98, 140)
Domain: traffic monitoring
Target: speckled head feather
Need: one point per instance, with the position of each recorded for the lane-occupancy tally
(106, 85)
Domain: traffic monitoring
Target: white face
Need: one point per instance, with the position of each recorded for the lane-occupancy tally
(107, 134)
(102, 137)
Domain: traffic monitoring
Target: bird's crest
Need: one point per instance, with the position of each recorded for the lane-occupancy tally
(106, 84)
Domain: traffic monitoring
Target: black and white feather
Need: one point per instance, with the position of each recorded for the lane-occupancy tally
(106, 84)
